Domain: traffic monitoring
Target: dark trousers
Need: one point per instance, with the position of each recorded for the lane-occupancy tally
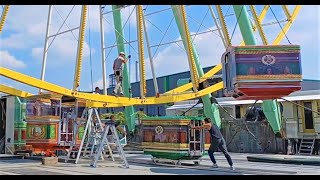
(221, 144)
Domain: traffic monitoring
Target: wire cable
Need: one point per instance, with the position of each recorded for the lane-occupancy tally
(280, 25)
(90, 56)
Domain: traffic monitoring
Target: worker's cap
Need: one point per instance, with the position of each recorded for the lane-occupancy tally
(121, 53)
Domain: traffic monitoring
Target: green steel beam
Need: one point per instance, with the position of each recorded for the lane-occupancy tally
(270, 107)
(244, 24)
(210, 110)
(129, 110)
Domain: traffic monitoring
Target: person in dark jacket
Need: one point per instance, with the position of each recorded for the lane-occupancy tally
(217, 141)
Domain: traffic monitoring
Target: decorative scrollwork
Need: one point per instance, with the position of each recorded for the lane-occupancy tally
(159, 129)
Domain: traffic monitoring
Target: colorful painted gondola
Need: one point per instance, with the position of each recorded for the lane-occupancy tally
(261, 72)
(172, 138)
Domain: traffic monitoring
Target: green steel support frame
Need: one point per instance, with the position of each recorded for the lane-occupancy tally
(210, 109)
(129, 110)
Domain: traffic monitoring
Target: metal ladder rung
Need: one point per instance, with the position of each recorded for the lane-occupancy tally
(105, 142)
(90, 133)
(307, 145)
(95, 138)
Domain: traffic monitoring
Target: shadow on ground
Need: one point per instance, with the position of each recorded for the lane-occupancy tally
(179, 171)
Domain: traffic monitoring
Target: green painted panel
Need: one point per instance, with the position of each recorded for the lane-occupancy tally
(19, 133)
(174, 155)
(52, 131)
(173, 118)
(81, 132)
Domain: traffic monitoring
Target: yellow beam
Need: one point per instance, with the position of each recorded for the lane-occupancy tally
(4, 16)
(143, 84)
(52, 87)
(258, 25)
(286, 11)
(104, 98)
(192, 63)
(188, 86)
(223, 25)
(287, 26)
(261, 18)
(101, 105)
(23, 94)
(13, 91)
(82, 31)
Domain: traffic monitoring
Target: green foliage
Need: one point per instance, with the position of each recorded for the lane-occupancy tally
(140, 114)
(120, 116)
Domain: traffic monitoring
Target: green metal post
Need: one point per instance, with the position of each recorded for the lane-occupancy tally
(210, 110)
(244, 24)
(129, 111)
(270, 107)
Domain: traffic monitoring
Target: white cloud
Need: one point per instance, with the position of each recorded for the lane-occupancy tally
(9, 61)
(37, 52)
(173, 59)
(63, 49)
(99, 83)
(305, 32)
(29, 33)
(125, 12)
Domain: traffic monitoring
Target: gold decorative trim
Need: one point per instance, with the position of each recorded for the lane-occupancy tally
(264, 77)
(166, 151)
(169, 146)
(43, 118)
(265, 52)
(165, 122)
(166, 145)
(164, 148)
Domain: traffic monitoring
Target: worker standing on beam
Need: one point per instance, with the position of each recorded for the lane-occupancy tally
(117, 69)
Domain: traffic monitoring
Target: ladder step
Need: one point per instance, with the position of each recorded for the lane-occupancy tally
(95, 138)
(304, 142)
(305, 150)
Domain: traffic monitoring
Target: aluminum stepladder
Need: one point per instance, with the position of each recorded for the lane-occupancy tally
(110, 125)
(91, 137)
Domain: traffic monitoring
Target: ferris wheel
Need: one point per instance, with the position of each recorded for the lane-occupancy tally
(241, 14)
(239, 36)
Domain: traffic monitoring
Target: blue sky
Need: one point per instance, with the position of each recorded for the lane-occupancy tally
(22, 41)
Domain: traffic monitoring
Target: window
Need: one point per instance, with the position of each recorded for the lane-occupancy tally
(308, 117)
(238, 112)
(227, 70)
(318, 107)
